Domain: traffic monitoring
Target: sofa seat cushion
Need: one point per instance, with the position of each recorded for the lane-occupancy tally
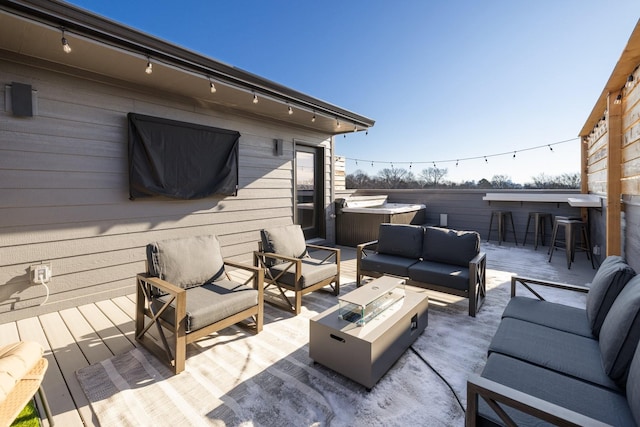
(389, 264)
(400, 240)
(596, 402)
(550, 314)
(313, 271)
(447, 275)
(620, 332)
(611, 277)
(213, 302)
(561, 351)
(186, 262)
(450, 246)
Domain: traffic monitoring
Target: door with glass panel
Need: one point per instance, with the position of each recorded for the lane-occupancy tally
(310, 190)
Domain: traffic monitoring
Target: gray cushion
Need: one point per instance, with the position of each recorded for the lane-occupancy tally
(450, 246)
(553, 315)
(186, 262)
(400, 240)
(605, 405)
(560, 351)
(213, 302)
(447, 275)
(620, 332)
(389, 264)
(288, 241)
(313, 271)
(611, 277)
(633, 385)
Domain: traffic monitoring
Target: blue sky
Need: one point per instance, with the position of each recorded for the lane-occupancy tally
(444, 79)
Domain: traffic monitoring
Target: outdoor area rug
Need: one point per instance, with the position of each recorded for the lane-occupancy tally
(238, 379)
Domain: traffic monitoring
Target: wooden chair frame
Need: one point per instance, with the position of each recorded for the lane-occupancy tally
(174, 352)
(295, 264)
(476, 291)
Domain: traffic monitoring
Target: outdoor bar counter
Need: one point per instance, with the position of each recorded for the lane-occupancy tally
(575, 200)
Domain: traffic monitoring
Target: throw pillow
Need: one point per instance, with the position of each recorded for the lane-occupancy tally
(611, 277)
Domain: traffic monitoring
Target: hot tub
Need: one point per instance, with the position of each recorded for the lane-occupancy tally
(358, 218)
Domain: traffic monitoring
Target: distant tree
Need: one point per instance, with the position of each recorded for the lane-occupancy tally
(501, 181)
(569, 180)
(391, 177)
(484, 183)
(432, 177)
(543, 181)
(358, 179)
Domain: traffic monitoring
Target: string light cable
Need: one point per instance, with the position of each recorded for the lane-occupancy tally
(461, 159)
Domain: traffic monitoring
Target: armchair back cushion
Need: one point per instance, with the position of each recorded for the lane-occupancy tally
(450, 246)
(620, 332)
(612, 275)
(186, 262)
(288, 241)
(400, 240)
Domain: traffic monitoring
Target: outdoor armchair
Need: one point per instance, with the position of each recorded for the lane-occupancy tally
(283, 255)
(188, 292)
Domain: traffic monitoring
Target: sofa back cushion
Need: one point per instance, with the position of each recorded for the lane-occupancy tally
(186, 262)
(288, 241)
(611, 277)
(633, 386)
(400, 240)
(450, 246)
(620, 332)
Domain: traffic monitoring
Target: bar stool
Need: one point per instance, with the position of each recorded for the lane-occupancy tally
(555, 239)
(539, 220)
(571, 227)
(501, 217)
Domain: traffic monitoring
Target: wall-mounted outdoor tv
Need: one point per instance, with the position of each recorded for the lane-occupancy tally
(180, 160)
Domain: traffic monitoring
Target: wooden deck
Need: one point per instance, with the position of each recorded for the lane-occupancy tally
(80, 336)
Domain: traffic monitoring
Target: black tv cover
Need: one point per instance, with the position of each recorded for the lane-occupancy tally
(180, 160)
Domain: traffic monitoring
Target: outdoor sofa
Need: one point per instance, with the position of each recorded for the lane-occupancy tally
(429, 257)
(552, 363)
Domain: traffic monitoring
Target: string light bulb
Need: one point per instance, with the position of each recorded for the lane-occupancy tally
(550, 148)
(212, 87)
(338, 123)
(618, 99)
(149, 68)
(629, 81)
(290, 110)
(65, 44)
(313, 119)
(514, 154)
(255, 98)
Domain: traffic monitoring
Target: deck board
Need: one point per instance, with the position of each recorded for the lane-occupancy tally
(80, 336)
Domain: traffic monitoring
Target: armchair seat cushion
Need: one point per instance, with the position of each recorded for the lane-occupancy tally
(389, 264)
(213, 302)
(552, 315)
(448, 275)
(600, 403)
(313, 271)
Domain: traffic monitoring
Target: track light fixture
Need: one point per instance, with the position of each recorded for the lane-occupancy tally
(149, 68)
(65, 44)
(618, 99)
(255, 98)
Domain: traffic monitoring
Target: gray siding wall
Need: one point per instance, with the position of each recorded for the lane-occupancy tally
(64, 188)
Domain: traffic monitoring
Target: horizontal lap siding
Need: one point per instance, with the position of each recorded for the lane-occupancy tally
(64, 189)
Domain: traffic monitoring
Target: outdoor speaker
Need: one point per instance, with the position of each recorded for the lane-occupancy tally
(21, 100)
(277, 147)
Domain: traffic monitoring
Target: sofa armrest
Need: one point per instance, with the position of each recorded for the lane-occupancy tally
(498, 396)
(361, 252)
(526, 282)
(477, 282)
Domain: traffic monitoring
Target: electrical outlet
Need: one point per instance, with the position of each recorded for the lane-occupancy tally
(41, 273)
